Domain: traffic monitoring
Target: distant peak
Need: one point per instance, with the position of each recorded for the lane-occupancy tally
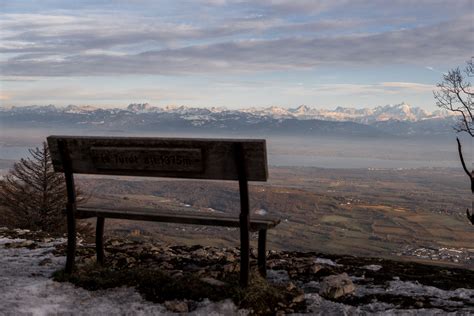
(301, 109)
(139, 107)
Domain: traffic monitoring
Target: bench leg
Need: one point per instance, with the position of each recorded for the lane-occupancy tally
(99, 240)
(244, 250)
(71, 242)
(262, 252)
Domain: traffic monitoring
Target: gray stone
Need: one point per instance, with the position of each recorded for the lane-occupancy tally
(177, 306)
(335, 286)
(213, 281)
(21, 244)
(372, 267)
(229, 267)
(116, 243)
(298, 299)
(290, 286)
(229, 257)
(166, 266)
(314, 268)
(45, 262)
(200, 253)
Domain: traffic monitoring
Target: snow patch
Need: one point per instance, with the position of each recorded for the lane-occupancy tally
(327, 262)
(27, 289)
(277, 276)
(372, 267)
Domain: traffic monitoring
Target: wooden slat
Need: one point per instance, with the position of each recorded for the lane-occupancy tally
(191, 158)
(181, 217)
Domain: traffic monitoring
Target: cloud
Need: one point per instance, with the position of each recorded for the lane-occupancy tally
(381, 88)
(4, 96)
(98, 43)
(66, 94)
(390, 8)
(444, 42)
(408, 86)
(33, 33)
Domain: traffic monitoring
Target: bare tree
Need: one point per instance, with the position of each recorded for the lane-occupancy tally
(455, 95)
(34, 194)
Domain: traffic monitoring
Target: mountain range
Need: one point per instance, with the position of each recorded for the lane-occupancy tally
(399, 119)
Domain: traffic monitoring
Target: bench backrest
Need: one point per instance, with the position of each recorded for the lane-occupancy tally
(190, 158)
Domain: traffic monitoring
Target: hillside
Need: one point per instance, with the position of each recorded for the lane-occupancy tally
(314, 283)
(412, 214)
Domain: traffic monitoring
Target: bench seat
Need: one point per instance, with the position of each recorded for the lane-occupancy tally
(166, 216)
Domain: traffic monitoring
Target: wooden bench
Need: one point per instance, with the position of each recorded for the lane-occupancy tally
(212, 159)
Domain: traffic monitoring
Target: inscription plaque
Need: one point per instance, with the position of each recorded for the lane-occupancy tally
(153, 159)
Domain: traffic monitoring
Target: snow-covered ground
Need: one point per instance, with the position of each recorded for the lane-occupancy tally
(26, 289)
(319, 306)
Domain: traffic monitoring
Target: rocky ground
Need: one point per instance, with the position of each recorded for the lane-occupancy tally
(313, 283)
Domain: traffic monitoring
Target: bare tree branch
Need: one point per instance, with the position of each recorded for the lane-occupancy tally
(461, 157)
(455, 95)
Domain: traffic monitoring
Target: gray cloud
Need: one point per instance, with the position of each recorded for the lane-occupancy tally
(420, 46)
(432, 8)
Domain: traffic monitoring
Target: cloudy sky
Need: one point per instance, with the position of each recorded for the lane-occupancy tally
(354, 53)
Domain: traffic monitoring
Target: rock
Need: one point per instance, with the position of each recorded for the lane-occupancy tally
(115, 243)
(335, 286)
(229, 267)
(372, 267)
(253, 253)
(21, 231)
(278, 276)
(229, 257)
(167, 266)
(314, 268)
(177, 274)
(298, 299)
(45, 262)
(213, 274)
(325, 261)
(22, 244)
(154, 249)
(177, 306)
(200, 253)
(89, 260)
(213, 281)
(290, 286)
(130, 260)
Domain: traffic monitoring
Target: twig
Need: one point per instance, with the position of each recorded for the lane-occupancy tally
(469, 216)
(469, 174)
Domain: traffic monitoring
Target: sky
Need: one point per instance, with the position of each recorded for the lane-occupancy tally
(235, 54)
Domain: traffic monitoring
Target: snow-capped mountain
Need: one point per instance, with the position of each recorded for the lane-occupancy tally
(399, 112)
(398, 119)
(80, 109)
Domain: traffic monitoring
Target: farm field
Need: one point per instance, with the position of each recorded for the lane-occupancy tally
(413, 214)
